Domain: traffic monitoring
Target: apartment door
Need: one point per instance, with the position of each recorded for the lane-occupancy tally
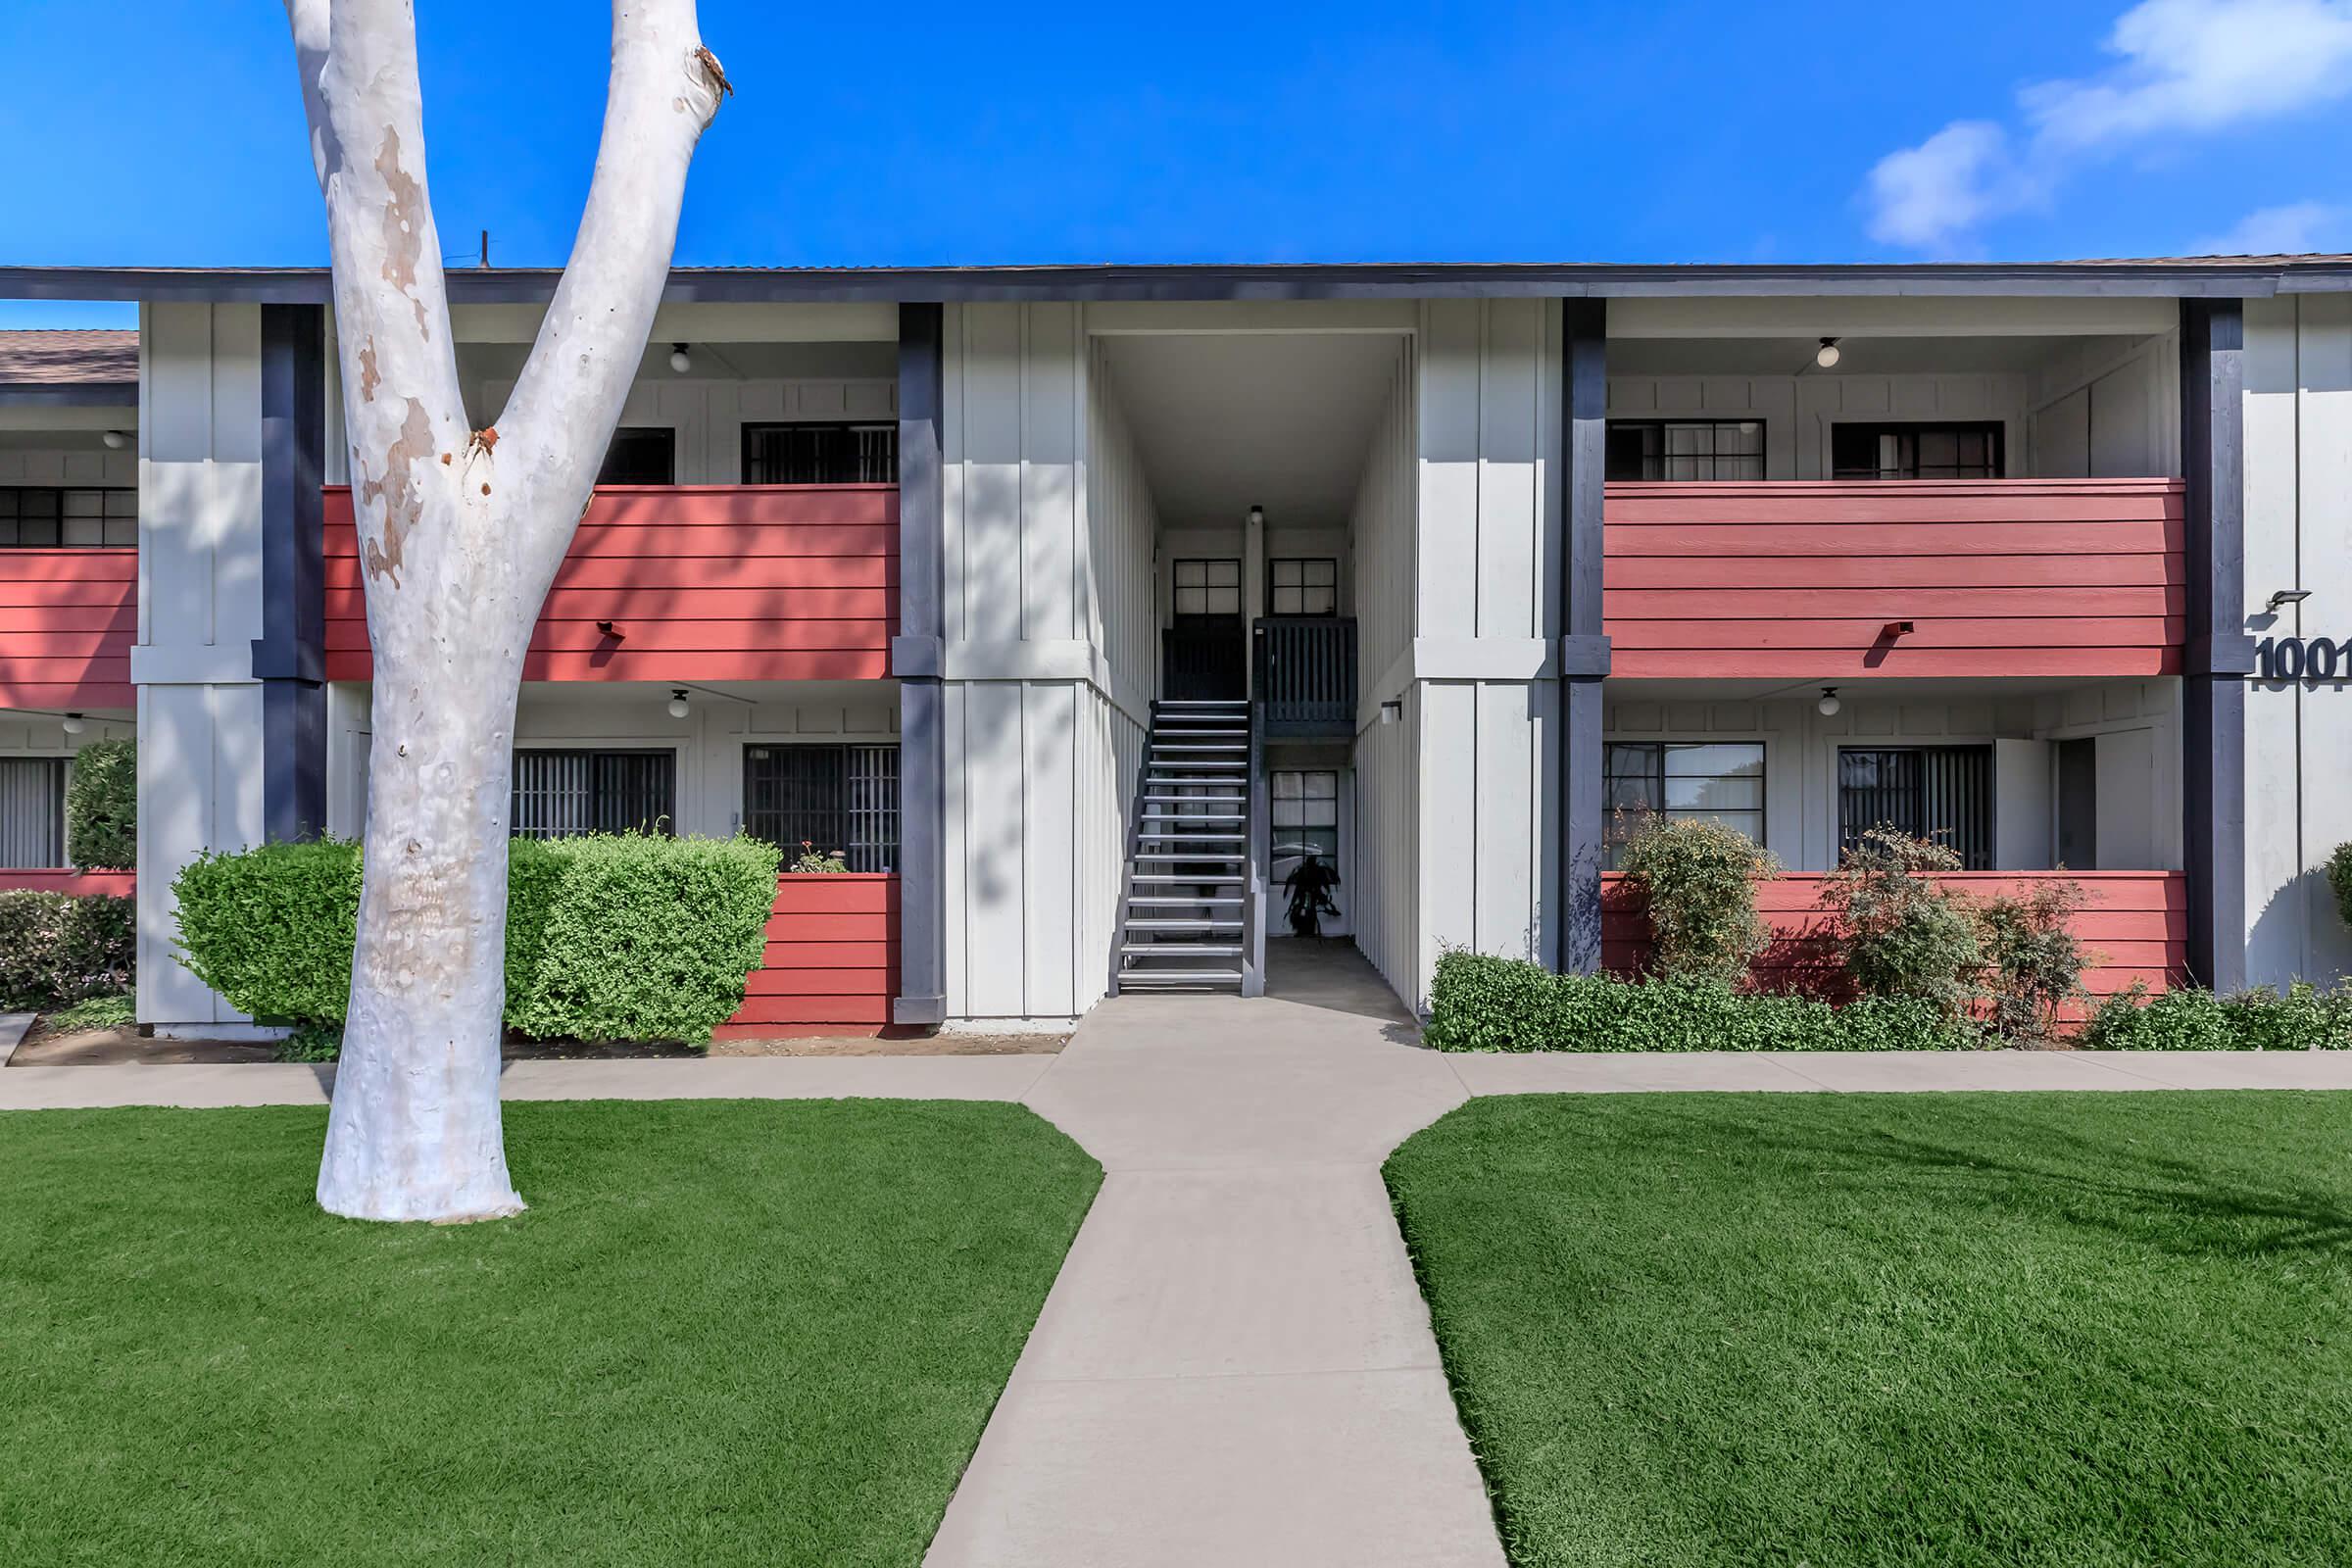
(2079, 804)
(1205, 652)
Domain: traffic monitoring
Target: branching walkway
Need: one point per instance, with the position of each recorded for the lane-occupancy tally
(1235, 1366)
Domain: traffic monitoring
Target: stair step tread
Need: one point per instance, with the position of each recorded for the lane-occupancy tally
(1157, 902)
(1170, 978)
(1185, 950)
(1156, 877)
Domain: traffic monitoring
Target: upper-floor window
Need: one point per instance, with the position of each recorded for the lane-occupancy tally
(641, 453)
(1915, 451)
(1310, 586)
(1686, 448)
(1715, 781)
(566, 791)
(77, 517)
(32, 812)
(1211, 587)
(839, 799)
(820, 454)
(1940, 792)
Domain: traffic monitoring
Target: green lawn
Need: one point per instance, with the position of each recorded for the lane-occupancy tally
(725, 1331)
(2062, 1330)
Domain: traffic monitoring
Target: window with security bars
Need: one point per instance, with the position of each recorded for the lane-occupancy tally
(1684, 449)
(838, 799)
(42, 518)
(1939, 793)
(1209, 587)
(1915, 451)
(1303, 587)
(32, 812)
(1714, 781)
(641, 453)
(820, 454)
(561, 792)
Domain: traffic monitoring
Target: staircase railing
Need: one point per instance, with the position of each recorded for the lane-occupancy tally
(1135, 844)
(1253, 896)
(1305, 676)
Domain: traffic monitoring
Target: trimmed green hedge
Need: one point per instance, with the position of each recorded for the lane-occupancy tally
(2305, 1018)
(1479, 1002)
(102, 807)
(2339, 878)
(609, 936)
(57, 949)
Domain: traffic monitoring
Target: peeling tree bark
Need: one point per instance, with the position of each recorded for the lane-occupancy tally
(460, 532)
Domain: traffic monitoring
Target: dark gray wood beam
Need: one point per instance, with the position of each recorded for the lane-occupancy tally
(2219, 655)
(1583, 647)
(290, 657)
(915, 657)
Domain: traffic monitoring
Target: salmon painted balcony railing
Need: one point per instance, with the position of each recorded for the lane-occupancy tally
(689, 583)
(2134, 925)
(1847, 580)
(832, 961)
(114, 884)
(67, 619)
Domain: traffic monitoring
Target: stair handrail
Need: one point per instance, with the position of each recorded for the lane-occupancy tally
(1253, 899)
(1135, 846)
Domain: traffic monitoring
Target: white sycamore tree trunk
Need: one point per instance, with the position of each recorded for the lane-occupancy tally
(460, 533)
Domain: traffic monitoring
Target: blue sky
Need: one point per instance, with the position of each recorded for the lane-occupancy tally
(869, 135)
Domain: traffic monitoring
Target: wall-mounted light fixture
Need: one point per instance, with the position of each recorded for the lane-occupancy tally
(2285, 597)
(679, 708)
(1392, 712)
(74, 724)
(1826, 356)
(1898, 628)
(1257, 516)
(115, 440)
(679, 359)
(608, 629)
(1829, 704)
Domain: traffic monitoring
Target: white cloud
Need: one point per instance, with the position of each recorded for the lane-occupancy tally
(2299, 229)
(2184, 66)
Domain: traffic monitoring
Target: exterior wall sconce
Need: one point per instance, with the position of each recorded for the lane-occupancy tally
(679, 359)
(677, 702)
(115, 440)
(1826, 356)
(2285, 597)
(1257, 516)
(1392, 712)
(1829, 704)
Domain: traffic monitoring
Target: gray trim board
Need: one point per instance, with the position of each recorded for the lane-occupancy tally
(1583, 647)
(2213, 795)
(290, 657)
(923, 699)
(2180, 278)
(123, 395)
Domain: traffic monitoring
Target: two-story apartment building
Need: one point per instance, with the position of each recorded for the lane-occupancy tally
(1077, 605)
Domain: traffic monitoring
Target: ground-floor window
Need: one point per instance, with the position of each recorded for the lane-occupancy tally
(820, 454)
(641, 453)
(563, 792)
(48, 518)
(1684, 449)
(1941, 792)
(843, 799)
(1304, 818)
(32, 812)
(1716, 781)
(1915, 451)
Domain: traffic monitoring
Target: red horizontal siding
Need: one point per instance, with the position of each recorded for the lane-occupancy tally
(67, 619)
(832, 961)
(2135, 924)
(1999, 577)
(701, 583)
(118, 884)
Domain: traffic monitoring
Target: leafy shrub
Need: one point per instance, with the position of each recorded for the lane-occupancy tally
(1486, 1003)
(1699, 880)
(102, 807)
(1901, 933)
(271, 928)
(609, 936)
(2305, 1018)
(313, 1042)
(2339, 877)
(57, 949)
(2032, 963)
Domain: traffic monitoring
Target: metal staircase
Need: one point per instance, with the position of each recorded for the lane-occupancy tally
(1192, 916)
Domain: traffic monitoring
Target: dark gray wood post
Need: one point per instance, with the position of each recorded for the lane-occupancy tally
(916, 658)
(2219, 655)
(1583, 647)
(290, 657)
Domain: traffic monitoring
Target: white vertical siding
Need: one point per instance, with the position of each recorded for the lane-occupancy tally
(199, 608)
(1386, 907)
(2298, 460)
